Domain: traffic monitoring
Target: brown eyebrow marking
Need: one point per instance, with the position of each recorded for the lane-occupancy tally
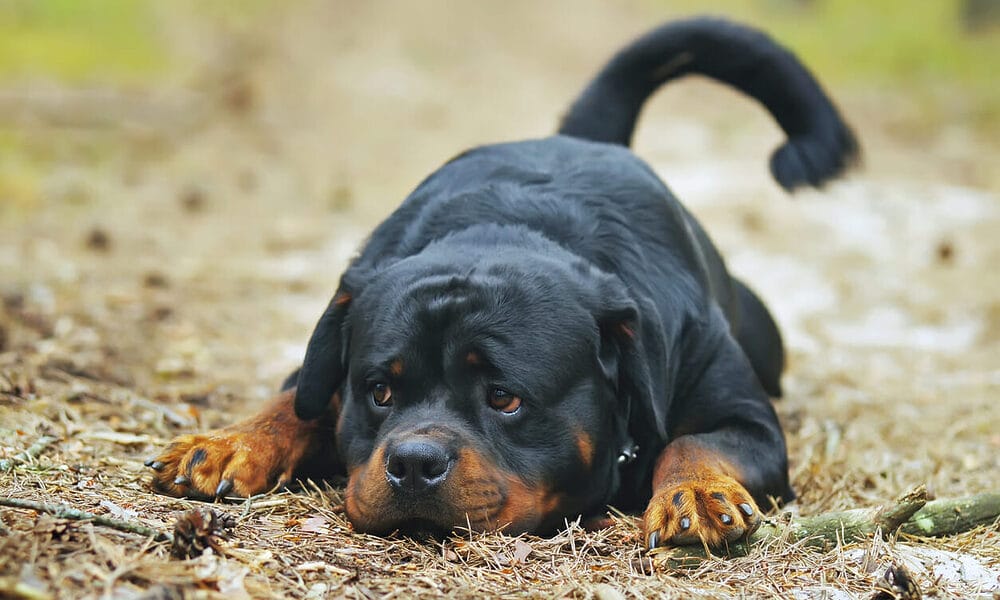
(396, 367)
(473, 358)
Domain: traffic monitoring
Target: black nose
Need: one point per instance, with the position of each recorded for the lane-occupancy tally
(417, 465)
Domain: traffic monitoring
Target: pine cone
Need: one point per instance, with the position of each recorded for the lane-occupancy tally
(197, 529)
(897, 584)
(55, 529)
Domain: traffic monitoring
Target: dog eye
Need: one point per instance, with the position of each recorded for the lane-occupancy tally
(503, 401)
(381, 394)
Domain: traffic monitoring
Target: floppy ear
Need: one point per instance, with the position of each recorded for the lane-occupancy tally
(325, 365)
(634, 353)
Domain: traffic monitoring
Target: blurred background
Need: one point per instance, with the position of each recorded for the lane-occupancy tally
(181, 184)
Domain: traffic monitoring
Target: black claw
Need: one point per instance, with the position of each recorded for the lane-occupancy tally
(181, 480)
(154, 464)
(726, 519)
(225, 486)
(654, 540)
(685, 523)
(747, 509)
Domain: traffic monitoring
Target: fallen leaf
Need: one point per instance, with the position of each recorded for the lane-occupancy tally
(521, 550)
(603, 591)
(117, 511)
(315, 524)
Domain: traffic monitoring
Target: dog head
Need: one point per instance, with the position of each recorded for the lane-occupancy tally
(484, 381)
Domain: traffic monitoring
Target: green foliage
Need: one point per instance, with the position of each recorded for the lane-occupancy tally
(79, 39)
(918, 46)
(902, 40)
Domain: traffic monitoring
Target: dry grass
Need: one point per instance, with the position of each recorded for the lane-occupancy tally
(161, 271)
(300, 545)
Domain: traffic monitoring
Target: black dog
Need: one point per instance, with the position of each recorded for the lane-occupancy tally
(541, 330)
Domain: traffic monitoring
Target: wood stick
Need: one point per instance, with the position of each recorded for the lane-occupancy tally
(66, 512)
(946, 517)
(30, 454)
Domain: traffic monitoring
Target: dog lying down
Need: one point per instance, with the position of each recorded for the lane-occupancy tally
(542, 330)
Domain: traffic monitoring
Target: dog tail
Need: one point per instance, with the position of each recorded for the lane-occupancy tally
(820, 145)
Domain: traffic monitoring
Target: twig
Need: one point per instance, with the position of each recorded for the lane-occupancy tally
(911, 514)
(945, 517)
(171, 415)
(65, 512)
(28, 455)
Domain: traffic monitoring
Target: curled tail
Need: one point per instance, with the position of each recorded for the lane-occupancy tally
(820, 145)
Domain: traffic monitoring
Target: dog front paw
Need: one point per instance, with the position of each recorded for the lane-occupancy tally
(713, 509)
(244, 459)
(218, 464)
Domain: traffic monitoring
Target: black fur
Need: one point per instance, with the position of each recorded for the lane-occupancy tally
(586, 287)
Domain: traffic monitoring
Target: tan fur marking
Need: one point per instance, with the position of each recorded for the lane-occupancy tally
(585, 446)
(367, 497)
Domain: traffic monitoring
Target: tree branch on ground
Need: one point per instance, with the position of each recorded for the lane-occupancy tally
(66, 512)
(30, 454)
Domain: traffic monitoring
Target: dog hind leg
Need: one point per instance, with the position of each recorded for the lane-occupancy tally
(760, 339)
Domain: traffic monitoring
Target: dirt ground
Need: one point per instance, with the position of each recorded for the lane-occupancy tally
(165, 250)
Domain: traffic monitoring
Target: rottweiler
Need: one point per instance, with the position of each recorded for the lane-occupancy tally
(542, 330)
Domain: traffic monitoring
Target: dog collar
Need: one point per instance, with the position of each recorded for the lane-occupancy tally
(628, 454)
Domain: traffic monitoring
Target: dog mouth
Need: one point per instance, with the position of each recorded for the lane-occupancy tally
(433, 516)
(427, 525)
(472, 494)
